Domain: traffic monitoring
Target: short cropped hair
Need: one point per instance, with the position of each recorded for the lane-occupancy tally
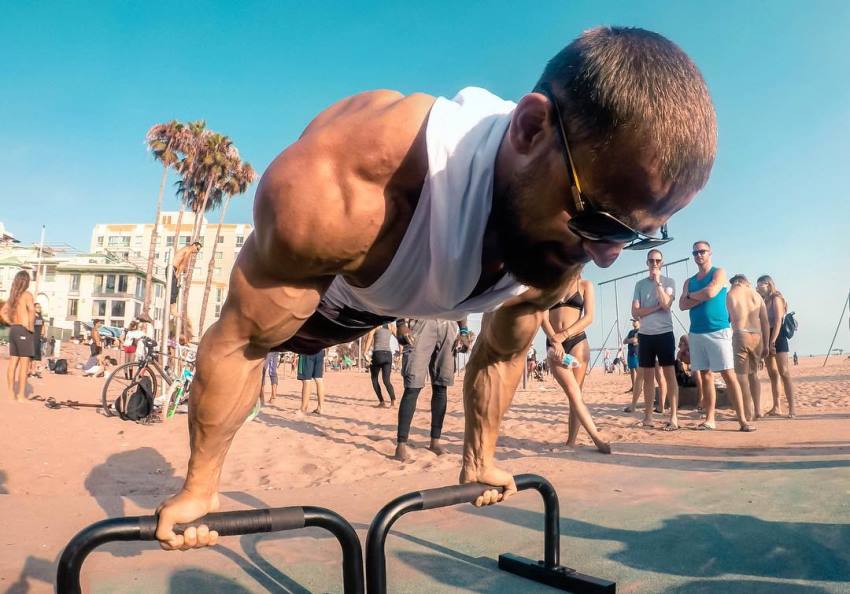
(197, 243)
(739, 279)
(654, 251)
(702, 241)
(612, 78)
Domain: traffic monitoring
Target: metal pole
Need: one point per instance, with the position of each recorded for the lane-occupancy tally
(166, 310)
(589, 369)
(38, 262)
(838, 327)
(617, 305)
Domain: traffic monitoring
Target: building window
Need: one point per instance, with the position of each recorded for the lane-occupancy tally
(219, 294)
(137, 310)
(169, 241)
(50, 273)
(75, 283)
(184, 239)
(98, 283)
(159, 290)
(109, 286)
(137, 240)
(100, 240)
(73, 305)
(221, 238)
(122, 283)
(118, 308)
(140, 288)
(239, 240)
(217, 310)
(217, 271)
(119, 241)
(219, 255)
(98, 308)
(116, 323)
(137, 254)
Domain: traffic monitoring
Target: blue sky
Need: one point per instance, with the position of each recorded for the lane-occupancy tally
(82, 81)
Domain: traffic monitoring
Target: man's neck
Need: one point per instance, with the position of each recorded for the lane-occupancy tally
(704, 268)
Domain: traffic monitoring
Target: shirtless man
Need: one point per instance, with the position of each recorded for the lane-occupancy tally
(750, 333)
(19, 313)
(393, 206)
(182, 257)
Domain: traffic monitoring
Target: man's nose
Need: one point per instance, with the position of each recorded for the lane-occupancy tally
(603, 253)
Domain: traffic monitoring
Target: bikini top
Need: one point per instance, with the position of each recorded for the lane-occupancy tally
(576, 301)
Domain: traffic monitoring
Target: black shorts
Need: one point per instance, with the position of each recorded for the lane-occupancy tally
(570, 343)
(21, 342)
(331, 325)
(175, 288)
(381, 358)
(656, 346)
(782, 343)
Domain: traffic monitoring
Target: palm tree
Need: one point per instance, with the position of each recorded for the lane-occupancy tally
(188, 143)
(161, 140)
(211, 162)
(236, 180)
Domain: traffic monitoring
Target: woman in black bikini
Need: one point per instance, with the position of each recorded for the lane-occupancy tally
(564, 326)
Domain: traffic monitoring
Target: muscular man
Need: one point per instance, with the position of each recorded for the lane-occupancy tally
(750, 335)
(182, 257)
(411, 206)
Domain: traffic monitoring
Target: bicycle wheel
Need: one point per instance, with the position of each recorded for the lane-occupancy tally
(121, 378)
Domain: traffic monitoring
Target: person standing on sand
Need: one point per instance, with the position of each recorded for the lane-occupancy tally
(631, 342)
(19, 313)
(38, 338)
(710, 337)
(564, 326)
(777, 359)
(796, 360)
(382, 362)
(427, 350)
(270, 368)
(653, 298)
(311, 368)
(750, 335)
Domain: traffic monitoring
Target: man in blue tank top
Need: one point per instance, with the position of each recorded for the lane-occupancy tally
(704, 296)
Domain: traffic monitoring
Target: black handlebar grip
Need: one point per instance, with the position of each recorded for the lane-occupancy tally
(236, 522)
(454, 494)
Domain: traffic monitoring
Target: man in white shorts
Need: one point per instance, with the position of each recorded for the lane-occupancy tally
(704, 296)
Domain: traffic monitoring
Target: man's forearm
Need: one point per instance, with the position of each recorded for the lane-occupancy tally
(488, 388)
(224, 390)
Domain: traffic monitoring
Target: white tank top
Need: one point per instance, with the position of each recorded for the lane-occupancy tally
(438, 263)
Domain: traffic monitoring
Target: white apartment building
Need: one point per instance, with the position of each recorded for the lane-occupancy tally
(131, 242)
(75, 288)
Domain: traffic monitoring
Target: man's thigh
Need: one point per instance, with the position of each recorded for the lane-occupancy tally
(417, 357)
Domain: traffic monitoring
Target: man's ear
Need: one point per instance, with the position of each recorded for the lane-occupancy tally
(530, 123)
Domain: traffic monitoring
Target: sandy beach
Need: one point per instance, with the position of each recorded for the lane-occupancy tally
(680, 492)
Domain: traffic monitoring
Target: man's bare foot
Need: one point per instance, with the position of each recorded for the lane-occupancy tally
(672, 426)
(603, 446)
(401, 453)
(647, 422)
(773, 412)
(300, 412)
(747, 428)
(436, 447)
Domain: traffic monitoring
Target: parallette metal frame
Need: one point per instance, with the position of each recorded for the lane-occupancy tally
(548, 571)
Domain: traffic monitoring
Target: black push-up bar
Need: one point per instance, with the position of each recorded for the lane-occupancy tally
(226, 524)
(548, 571)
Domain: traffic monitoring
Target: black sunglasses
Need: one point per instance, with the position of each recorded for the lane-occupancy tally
(699, 252)
(590, 222)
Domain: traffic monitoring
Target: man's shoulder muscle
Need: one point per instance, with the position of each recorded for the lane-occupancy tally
(325, 197)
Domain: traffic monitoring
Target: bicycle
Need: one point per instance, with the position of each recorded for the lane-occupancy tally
(128, 375)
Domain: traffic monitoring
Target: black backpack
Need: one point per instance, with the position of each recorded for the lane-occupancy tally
(61, 366)
(136, 401)
(789, 325)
